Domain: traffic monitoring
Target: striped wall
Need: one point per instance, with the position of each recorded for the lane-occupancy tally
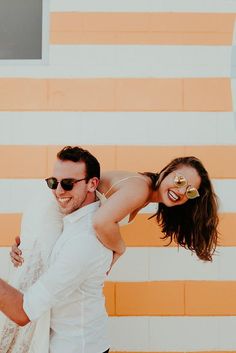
(137, 83)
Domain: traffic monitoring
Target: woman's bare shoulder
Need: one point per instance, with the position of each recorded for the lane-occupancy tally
(116, 180)
(125, 192)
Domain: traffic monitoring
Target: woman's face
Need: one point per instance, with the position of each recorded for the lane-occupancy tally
(171, 193)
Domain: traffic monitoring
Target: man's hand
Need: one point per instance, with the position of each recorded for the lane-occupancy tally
(16, 253)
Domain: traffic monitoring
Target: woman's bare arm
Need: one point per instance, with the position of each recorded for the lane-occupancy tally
(131, 196)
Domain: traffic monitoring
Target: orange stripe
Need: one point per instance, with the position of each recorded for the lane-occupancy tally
(23, 94)
(142, 28)
(210, 298)
(109, 292)
(109, 38)
(154, 158)
(194, 94)
(197, 99)
(177, 298)
(144, 298)
(23, 161)
(140, 233)
(36, 161)
(10, 228)
(144, 232)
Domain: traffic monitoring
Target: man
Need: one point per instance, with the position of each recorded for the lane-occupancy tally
(72, 285)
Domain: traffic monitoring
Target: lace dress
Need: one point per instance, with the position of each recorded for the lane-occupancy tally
(41, 226)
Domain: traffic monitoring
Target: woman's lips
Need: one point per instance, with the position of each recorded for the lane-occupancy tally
(173, 196)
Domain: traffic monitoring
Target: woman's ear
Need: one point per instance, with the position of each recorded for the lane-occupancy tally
(93, 184)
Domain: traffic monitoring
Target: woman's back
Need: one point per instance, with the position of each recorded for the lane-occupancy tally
(126, 184)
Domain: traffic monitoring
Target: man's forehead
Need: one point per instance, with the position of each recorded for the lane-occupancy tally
(69, 167)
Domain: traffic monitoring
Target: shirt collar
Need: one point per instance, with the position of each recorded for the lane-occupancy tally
(81, 212)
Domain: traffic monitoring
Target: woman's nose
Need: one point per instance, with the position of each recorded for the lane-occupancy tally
(182, 190)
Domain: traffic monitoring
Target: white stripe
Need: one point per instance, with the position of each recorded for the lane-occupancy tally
(225, 191)
(45, 31)
(131, 128)
(129, 334)
(172, 264)
(144, 5)
(77, 61)
(172, 334)
(233, 63)
(234, 35)
(132, 266)
(17, 193)
(159, 264)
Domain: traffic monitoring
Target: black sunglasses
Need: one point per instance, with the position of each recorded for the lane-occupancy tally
(66, 184)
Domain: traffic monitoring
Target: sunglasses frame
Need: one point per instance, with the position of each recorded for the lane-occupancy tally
(71, 184)
(188, 187)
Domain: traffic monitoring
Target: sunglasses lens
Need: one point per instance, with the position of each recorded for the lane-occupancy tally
(180, 181)
(67, 184)
(52, 183)
(192, 193)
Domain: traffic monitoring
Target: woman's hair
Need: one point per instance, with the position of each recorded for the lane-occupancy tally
(193, 224)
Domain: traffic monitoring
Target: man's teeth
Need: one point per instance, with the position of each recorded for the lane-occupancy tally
(173, 195)
(64, 199)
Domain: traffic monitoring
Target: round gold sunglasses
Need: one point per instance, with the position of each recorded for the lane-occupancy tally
(180, 182)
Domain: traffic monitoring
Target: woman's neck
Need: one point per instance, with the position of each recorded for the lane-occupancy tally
(154, 196)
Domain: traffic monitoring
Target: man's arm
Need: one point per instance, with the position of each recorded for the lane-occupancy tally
(11, 304)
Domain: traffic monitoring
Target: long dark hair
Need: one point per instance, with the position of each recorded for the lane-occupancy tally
(192, 225)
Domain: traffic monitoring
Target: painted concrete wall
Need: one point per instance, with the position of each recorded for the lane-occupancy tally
(137, 83)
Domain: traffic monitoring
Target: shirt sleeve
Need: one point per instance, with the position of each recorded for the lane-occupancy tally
(62, 278)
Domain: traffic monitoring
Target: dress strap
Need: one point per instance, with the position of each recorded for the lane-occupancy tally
(119, 181)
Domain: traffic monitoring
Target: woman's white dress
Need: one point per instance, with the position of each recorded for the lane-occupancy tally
(40, 228)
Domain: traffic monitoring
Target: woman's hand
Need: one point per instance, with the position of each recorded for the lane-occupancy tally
(114, 259)
(16, 253)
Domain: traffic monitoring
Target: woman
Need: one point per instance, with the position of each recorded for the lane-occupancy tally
(187, 211)
(185, 183)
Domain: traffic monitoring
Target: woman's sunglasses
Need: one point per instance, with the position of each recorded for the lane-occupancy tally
(180, 182)
(66, 184)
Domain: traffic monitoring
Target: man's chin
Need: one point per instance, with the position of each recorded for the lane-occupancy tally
(65, 210)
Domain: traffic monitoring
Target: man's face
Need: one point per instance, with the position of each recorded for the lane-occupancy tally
(80, 195)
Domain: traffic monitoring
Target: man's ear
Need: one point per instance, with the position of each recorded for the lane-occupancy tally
(93, 184)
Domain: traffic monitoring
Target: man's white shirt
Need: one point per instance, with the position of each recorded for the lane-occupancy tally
(72, 288)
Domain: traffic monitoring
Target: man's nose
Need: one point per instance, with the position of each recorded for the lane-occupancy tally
(59, 190)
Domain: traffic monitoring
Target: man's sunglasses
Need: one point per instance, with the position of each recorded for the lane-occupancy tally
(66, 184)
(180, 182)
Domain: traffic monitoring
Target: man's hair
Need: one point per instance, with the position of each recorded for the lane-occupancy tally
(78, 154)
